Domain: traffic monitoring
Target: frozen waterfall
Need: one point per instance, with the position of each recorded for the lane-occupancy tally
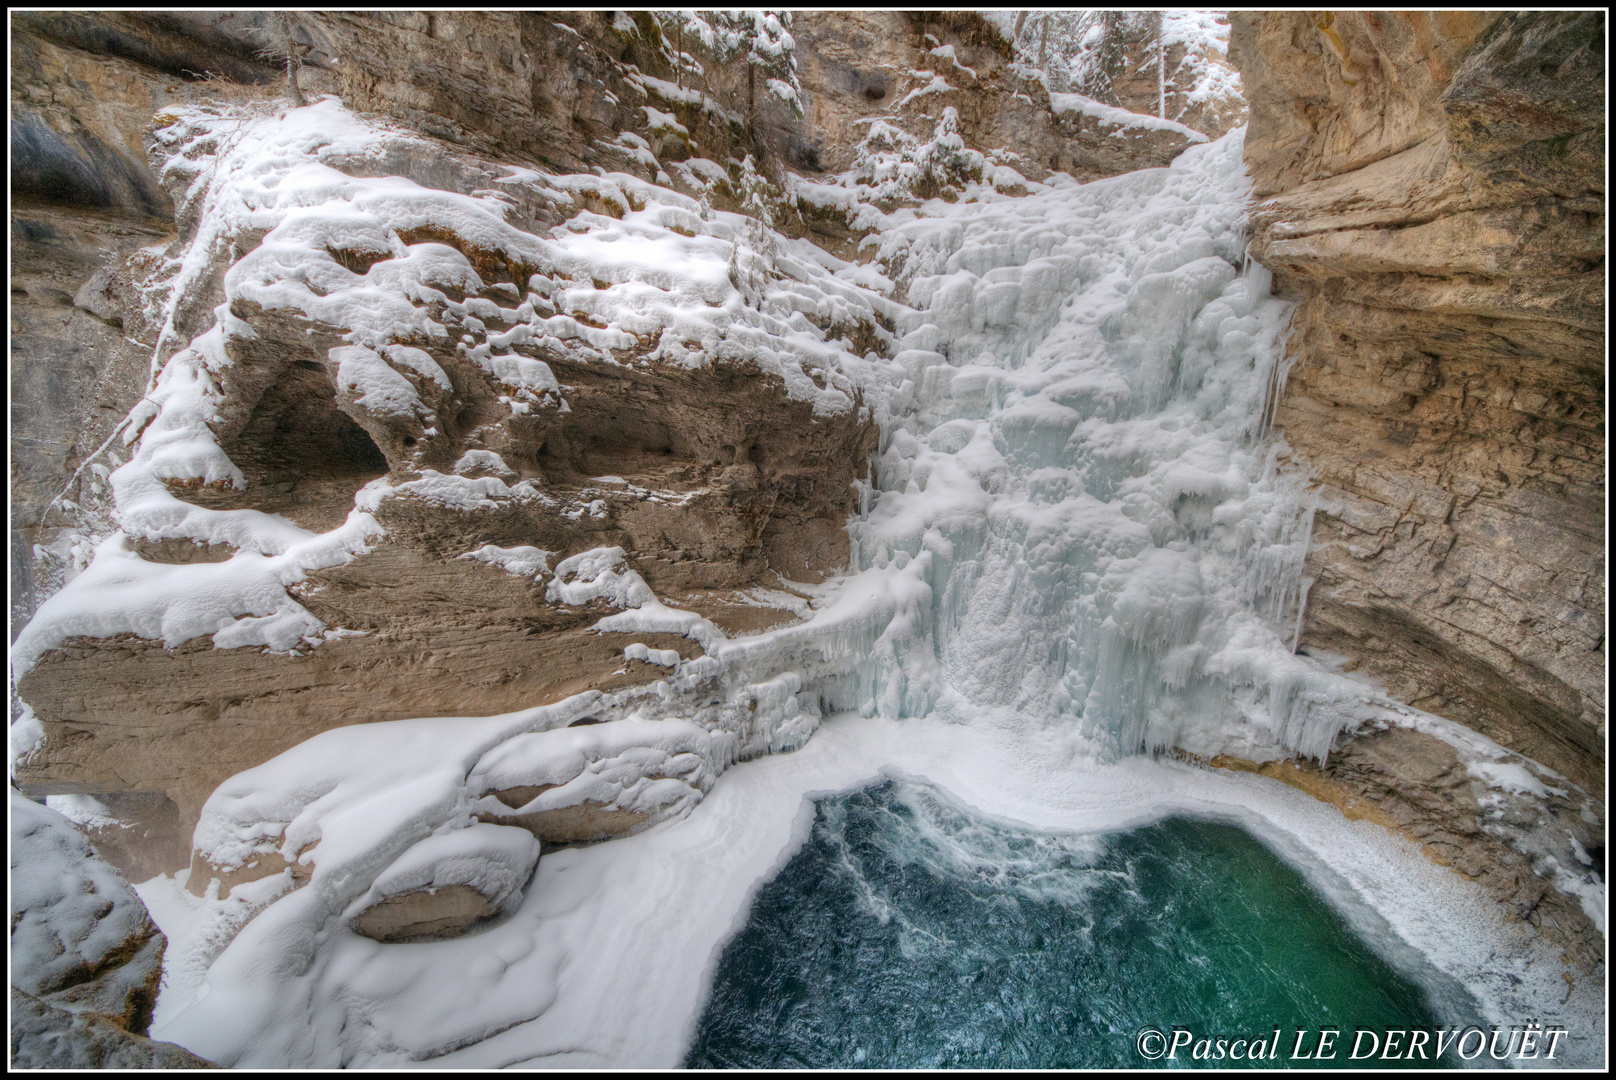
(1079, 544)
(1083, 478)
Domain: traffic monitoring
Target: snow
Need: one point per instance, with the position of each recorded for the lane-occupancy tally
(657, 120)
(946, 52)
(637, 922)
(1078, 46)
(1205, 38)
(1076, 544)
(69, 910)
(646, 766)
(419, 361)
(761, 38)
(376, 385)
(495, 860)
(1511, 777)
(934, 84)
(481, 461)
(667, 272)
(463, 492)
(599, 574)
(241, 601)
(640, 651)
(1122, 118)
(85, 811)
(523, 561)
(786, 93)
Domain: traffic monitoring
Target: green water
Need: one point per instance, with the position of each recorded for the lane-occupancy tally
(909, 932)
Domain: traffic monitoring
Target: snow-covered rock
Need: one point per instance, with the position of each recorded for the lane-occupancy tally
(81, 939)
(447, 882)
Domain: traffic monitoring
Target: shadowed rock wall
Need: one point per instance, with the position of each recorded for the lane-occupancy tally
(1431, 190)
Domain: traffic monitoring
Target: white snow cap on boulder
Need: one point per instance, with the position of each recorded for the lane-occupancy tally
(495, 860)
(70, 912)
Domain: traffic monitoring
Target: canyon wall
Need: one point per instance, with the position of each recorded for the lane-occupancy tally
(1430, 188)
(714, 481)
(565, 92)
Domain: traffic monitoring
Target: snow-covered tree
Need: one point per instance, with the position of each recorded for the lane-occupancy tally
(1170, 63)
(761, 38)
(282, 45)
(750, 273)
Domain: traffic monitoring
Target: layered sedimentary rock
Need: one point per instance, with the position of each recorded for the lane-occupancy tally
(1431, 190)
(1494, 821)
(712, 478)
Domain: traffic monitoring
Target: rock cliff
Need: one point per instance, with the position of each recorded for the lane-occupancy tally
(713, 480)
(1432, 193)
(1430, 190)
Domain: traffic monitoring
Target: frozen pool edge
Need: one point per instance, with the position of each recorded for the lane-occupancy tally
(672, 897)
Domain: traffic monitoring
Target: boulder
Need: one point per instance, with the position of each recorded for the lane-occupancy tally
(45, 1037)
(81, 940)
(447, 883)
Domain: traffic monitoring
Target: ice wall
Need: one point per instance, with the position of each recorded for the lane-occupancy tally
(1084, 480)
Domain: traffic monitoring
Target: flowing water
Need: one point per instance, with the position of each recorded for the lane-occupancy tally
(910, 932)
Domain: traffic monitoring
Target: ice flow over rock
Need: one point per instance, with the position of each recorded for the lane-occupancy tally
(1077, 522)
(1083, 481)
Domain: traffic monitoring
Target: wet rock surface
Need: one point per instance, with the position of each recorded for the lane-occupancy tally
(1510, 841)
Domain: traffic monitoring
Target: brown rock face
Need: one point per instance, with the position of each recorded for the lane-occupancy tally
(715, 482)
(1417, 785)
(1433, 196)
(585, 823)
(423, 914)
(83, 91)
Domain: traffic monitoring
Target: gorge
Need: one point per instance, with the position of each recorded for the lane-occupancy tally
(472, 521)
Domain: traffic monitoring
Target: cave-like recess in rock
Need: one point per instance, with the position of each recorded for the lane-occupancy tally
(910, 933)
